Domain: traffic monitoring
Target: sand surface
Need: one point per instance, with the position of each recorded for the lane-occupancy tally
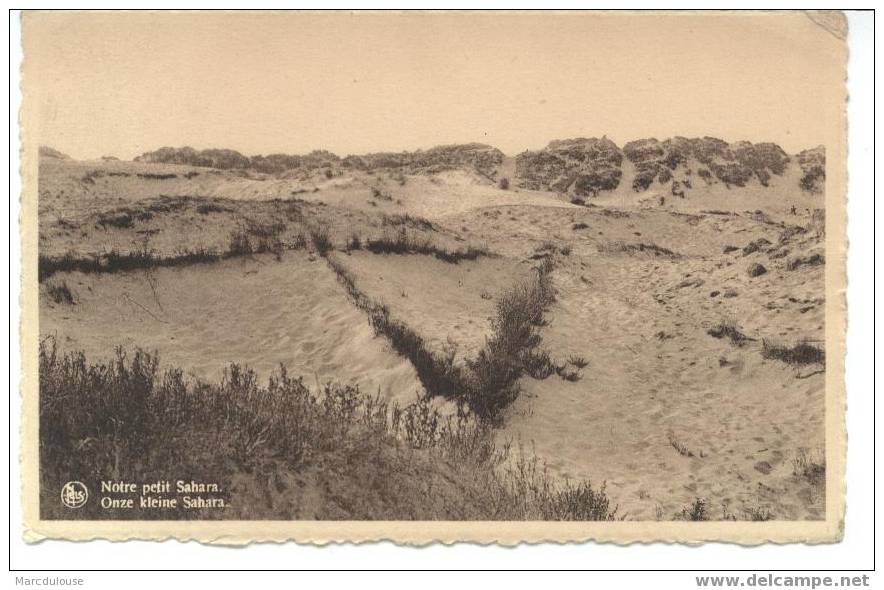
(664, 413)
(257, 312)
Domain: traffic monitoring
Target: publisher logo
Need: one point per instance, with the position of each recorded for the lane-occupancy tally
(74, 494)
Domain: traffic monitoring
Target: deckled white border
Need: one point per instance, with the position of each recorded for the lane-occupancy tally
(862, 214)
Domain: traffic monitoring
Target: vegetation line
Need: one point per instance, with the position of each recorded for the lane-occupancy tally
(439, 375)
(487, 384)
(405, 243)
(361, 457)
(113, 261)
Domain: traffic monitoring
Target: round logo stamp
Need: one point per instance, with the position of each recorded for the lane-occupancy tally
(74, 494)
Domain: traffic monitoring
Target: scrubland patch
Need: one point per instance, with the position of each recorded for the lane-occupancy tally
(129, 421)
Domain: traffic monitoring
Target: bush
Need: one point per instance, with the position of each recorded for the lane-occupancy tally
(732, 173)
(802, 353)
(698, 511)
(404, 242)
(152, 176)
(119, 220)
(206, 208)
(756, 270)
(412, 221)
(763, 177)
(729, 330)
(319, 235)
(809, 260)
(626, 248)
(568, 373)
(758, 245)
(300, 242)
(354, 243)
(240, 244)
(495, 371)
(577, 361)
(810, 467)
(538, 364)
(813, 179)
(380, 195)
(89, 177)
(49, 265)
(127, 420)
(601, 179)
(60, 293)
(643, 179)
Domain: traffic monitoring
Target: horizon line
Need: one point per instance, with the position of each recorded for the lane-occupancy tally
(341, 154)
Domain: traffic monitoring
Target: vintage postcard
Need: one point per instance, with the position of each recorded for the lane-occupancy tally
(497, 277)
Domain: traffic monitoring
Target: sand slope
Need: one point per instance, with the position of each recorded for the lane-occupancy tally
(254, 311)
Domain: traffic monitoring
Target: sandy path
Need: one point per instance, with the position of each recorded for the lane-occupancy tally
(642, 394)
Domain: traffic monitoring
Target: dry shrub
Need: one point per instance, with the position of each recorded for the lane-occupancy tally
(728, 329)
(698, 511)
(814, 259)
(801, 353)
(60, 293)
(494, 373)
(319, 235)
(240, 244)
(810, 466)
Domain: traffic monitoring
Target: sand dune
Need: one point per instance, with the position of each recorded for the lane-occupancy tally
(664, 413)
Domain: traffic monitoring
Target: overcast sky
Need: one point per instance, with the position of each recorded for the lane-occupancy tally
(124, 83)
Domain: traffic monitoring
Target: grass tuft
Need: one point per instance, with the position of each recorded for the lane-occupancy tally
(811, 467)
(698, 511)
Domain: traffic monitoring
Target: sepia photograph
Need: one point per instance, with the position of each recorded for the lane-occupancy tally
(489, 276)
